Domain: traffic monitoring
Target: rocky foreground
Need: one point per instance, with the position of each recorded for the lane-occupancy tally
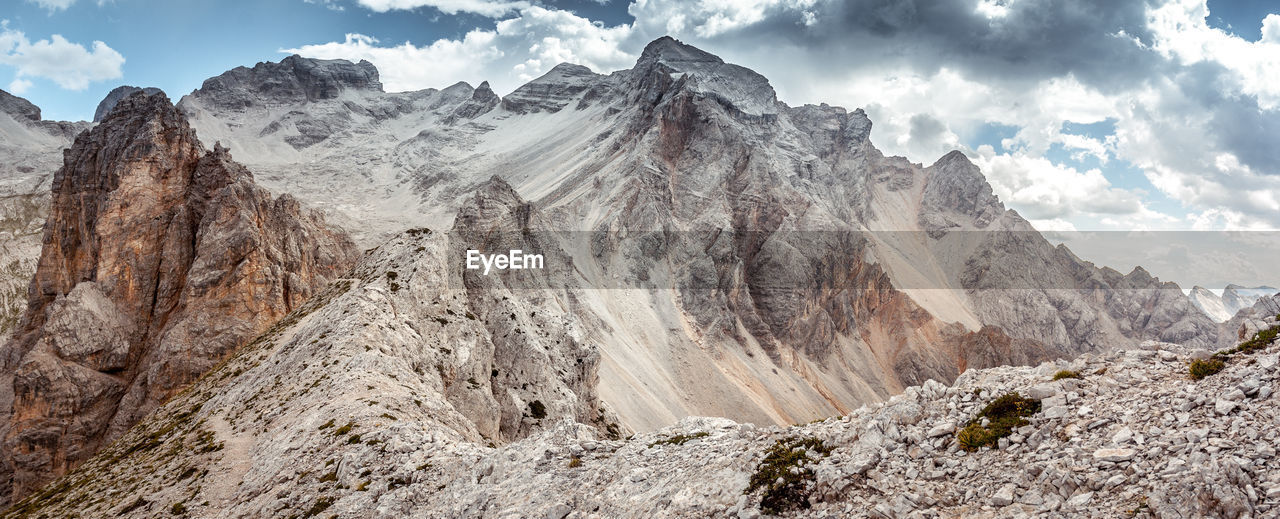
(315, 420)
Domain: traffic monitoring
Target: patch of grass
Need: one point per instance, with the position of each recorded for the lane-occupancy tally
(680, 439)
(327, 424)
(1199, 369)
(1260, 340)
(354, 439)
(332, 476)
(1066, 373)
(178, 509)
(575, 462)
(785, 475)
(344, 429)
(1003, 415)
(537, 410)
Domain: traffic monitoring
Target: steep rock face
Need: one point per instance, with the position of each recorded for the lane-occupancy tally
(1209, 303)
(115, 95)
(159, 259)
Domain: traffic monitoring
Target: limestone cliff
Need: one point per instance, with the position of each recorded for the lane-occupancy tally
(159, 259)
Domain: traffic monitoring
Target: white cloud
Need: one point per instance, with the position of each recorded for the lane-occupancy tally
(490, 8)
(19, 86)
(68, 64)
(517, 50)
(53, 5)
(1047, 192)
(1182, 33)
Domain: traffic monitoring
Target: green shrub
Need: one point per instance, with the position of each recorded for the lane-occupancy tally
(679, 439)
(1260, 340)
(1066, 374)
(1203, 368)
(785, 474)
(1003, 415)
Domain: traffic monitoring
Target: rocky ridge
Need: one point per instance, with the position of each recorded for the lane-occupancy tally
(1117, 433)
(1233, 300)
(160, 258)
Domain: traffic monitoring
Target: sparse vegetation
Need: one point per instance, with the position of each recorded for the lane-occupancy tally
(1260, 340)
(178, 509)
(1203, 368)
(1066, 373)
(575, 462)
(1002, 416)
(679, 439)
(344, 429)
(785, 475)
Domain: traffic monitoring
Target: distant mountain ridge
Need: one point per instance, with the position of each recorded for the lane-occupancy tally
(1234, 298)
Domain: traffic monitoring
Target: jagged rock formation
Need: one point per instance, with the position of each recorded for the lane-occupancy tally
(764, 262)
(1131, 436)
(160, 258)
(1209, 303)
(115, 95)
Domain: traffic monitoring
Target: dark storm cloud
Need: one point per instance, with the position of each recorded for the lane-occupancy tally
(1094, 40)
(1236, 123)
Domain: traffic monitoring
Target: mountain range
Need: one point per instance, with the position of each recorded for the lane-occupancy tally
(188, 342)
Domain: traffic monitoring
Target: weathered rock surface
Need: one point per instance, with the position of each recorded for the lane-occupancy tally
(115, 95)
(159, 259)
(282, 430)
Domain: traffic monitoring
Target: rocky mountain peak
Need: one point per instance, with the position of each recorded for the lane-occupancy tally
(293, 79)
(159, 259)
(674, 52)
(552, 91)
(19, 108)
(686, 66)
(116, 94)
(956, 184)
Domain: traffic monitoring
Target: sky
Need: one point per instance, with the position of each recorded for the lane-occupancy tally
(1085, 115)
